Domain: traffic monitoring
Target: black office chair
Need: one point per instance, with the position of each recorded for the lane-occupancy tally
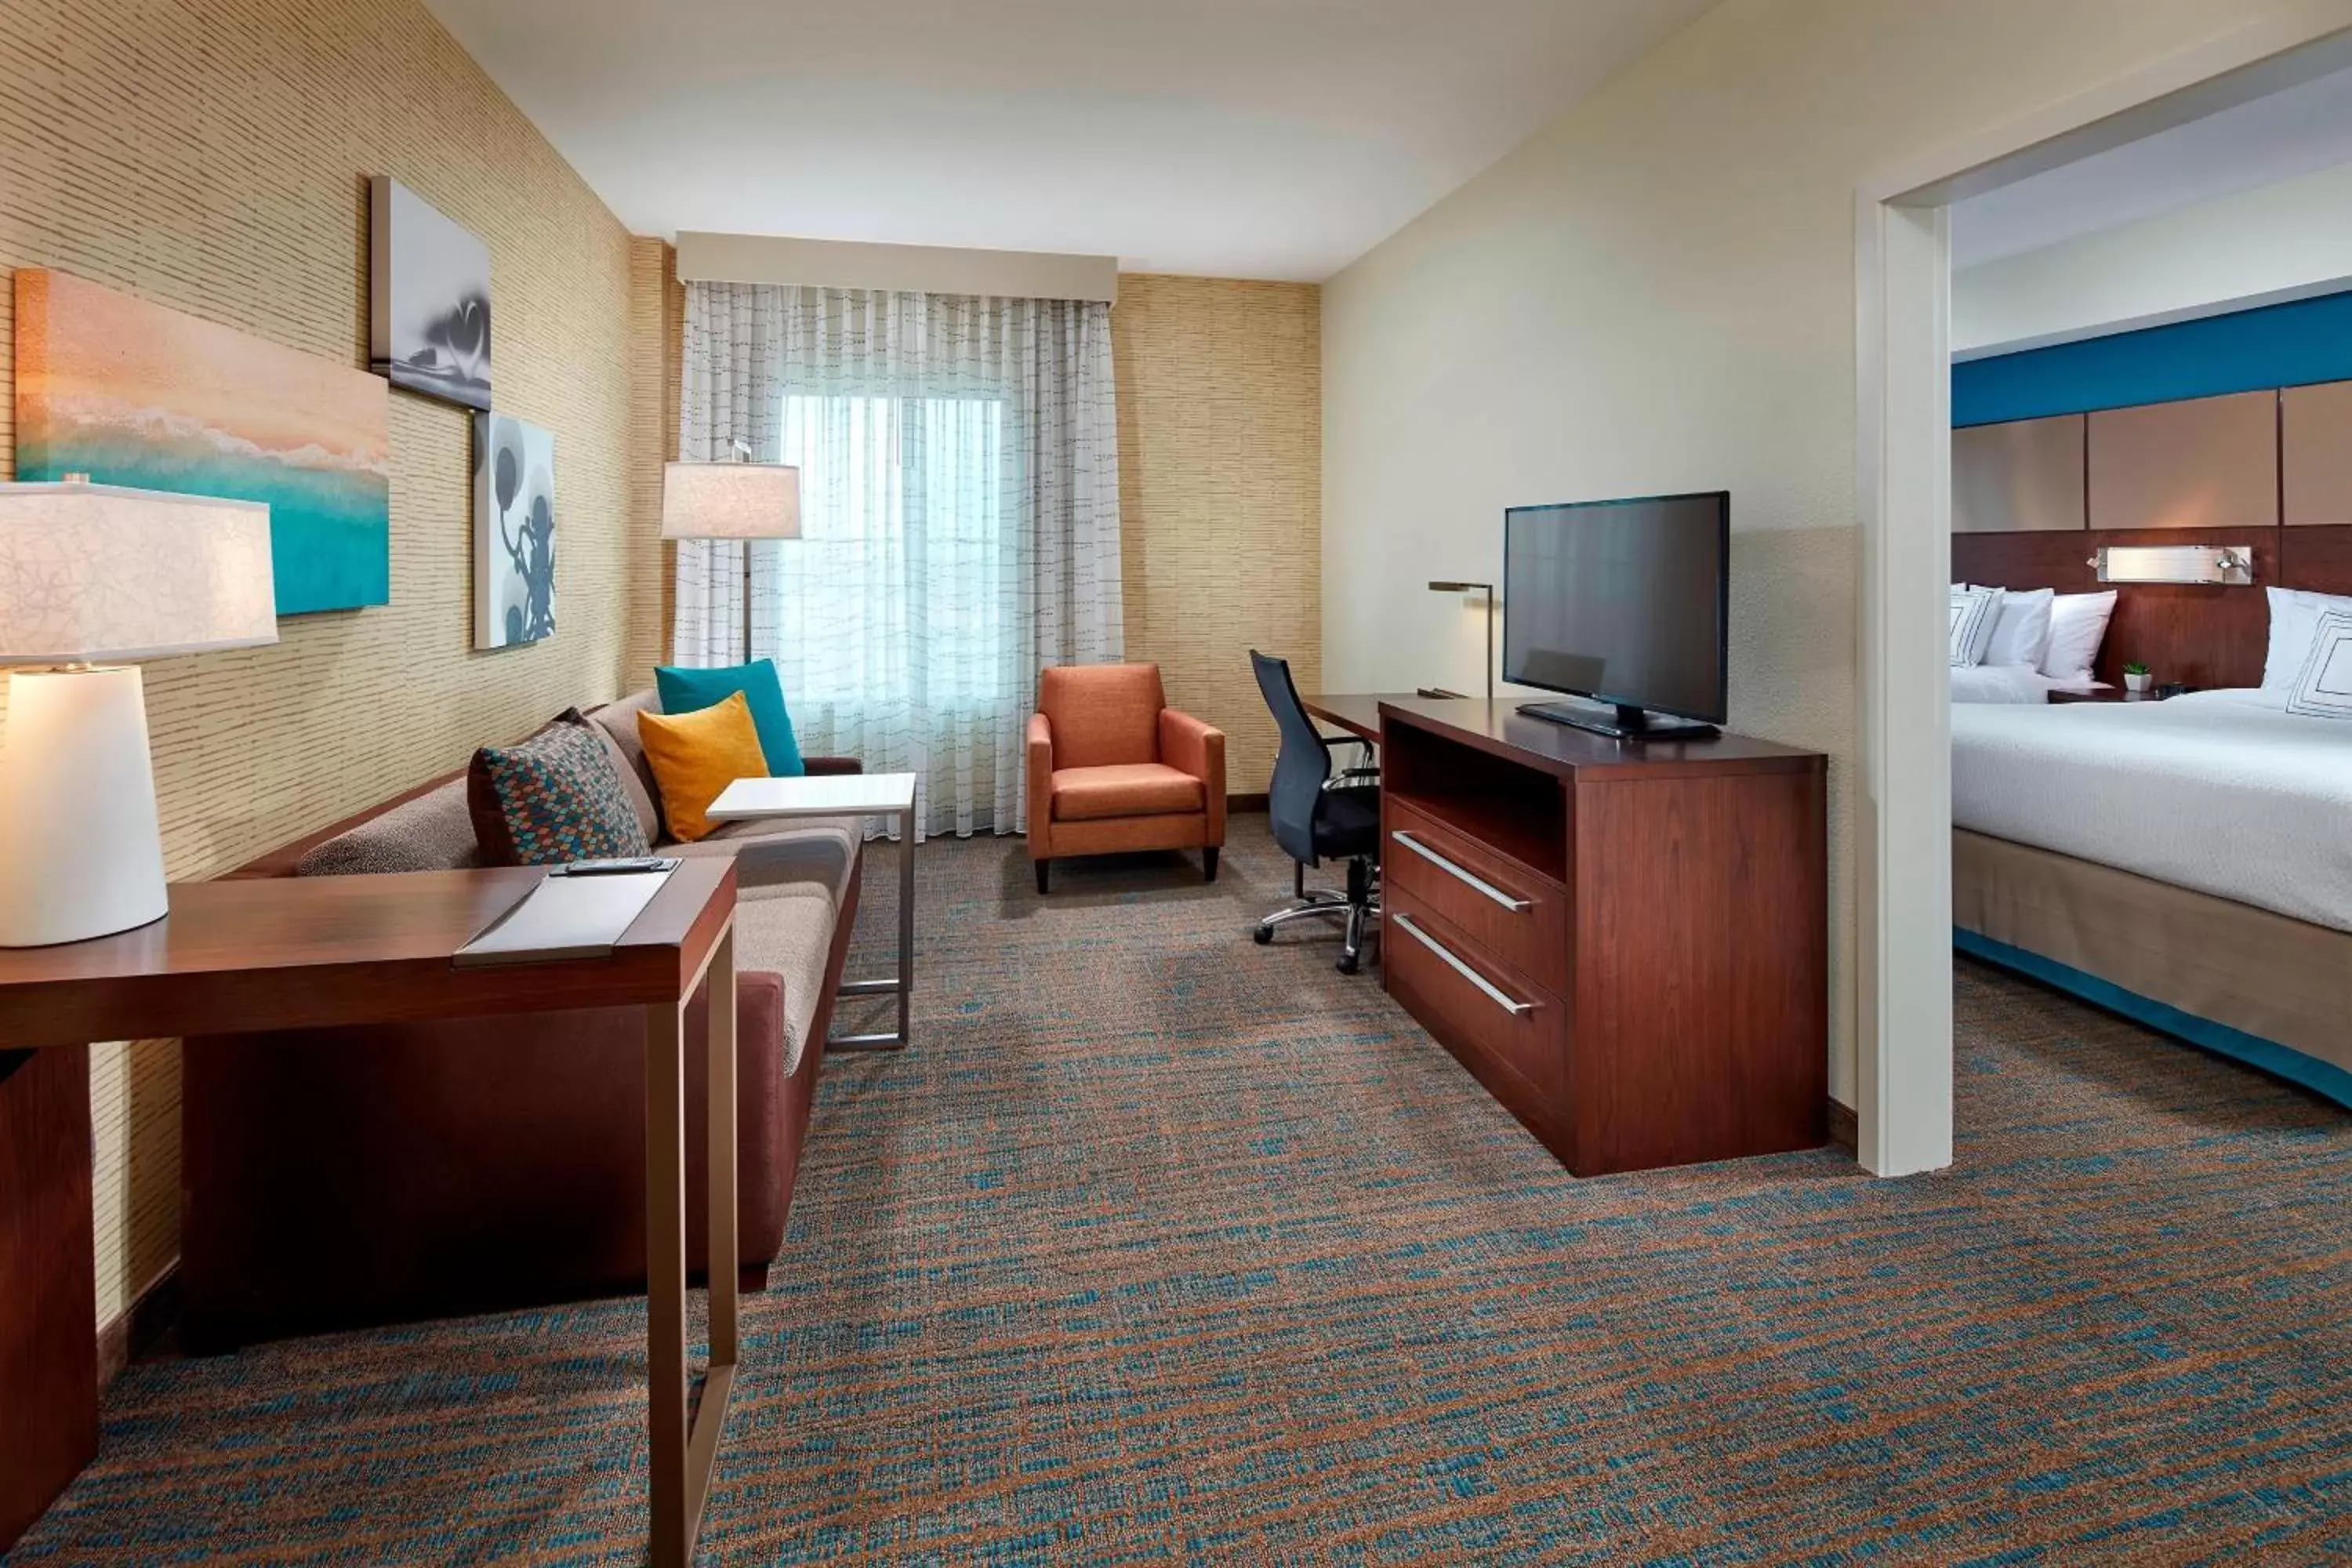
(1318, 813)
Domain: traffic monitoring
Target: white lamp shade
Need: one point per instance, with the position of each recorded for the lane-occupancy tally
(99, 572)
(731, 500)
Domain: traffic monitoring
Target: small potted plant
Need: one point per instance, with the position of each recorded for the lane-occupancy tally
(2136, 679)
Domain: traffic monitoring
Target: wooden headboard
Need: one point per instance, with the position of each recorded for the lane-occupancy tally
(2034, 501)
(2204, 635)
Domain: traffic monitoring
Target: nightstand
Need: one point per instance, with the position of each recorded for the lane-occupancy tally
(2113, 694)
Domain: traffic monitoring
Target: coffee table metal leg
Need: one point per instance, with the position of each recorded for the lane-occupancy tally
(904, 986)
(906, 923)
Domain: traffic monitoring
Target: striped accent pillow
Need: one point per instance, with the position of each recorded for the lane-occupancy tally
(1975, 613)
(2324, 689)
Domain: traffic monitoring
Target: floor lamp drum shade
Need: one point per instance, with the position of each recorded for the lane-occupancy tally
(728, 502)
(731, 500)
(92, 574)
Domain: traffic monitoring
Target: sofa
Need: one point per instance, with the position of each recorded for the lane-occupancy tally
(1112, 769)
(340, 1178)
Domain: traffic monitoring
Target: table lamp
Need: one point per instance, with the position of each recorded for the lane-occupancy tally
(91, 577)
(1466, 589)
(740, 500)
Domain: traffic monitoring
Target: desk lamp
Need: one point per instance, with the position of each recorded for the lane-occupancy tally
(1488, 590)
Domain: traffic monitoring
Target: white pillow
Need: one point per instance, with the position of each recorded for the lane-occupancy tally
(2324, 688)
(2295, 620)
(1974, 611)
(2021, 634)
(2078, 624)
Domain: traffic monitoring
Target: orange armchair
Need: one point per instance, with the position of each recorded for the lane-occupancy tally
(1113, 768)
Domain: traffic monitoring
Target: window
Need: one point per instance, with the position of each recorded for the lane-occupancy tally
(899, 588)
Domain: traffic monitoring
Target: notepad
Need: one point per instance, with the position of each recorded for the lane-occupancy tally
(564, 918)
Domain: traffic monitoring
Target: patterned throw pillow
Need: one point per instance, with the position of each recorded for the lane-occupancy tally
(2324, 689)
(553, 798)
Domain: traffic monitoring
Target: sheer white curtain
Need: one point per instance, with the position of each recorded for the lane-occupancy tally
(959, 466)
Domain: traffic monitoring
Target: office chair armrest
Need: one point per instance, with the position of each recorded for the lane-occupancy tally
(1351, 778)
(1041, 776)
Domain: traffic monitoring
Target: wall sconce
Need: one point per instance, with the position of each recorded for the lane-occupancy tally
(2231, 565)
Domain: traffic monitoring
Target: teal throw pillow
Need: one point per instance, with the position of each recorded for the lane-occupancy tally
(692, 690)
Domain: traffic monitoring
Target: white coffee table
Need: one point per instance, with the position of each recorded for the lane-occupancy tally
(846, 794)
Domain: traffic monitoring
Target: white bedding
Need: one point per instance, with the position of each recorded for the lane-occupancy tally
(2010, 683)
(2222, 792)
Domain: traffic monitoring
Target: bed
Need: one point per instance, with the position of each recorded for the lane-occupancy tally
(2012, 685)
(2188, 863)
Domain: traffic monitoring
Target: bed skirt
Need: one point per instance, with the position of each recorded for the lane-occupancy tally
(2243, 983)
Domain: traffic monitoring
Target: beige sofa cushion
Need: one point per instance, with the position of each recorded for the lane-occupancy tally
(793, 876)
(434, 832)
(788, 929)
(618, 720)
(767, 854)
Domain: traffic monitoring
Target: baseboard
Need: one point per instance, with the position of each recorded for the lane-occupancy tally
(1235, 802)
(153, 1313)
(1845, 1130)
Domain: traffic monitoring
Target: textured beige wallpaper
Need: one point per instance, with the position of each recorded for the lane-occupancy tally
(1221, 457)
(214, 157)
(657, 343)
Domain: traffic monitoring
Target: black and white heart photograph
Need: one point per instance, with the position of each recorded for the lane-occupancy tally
(428, 298)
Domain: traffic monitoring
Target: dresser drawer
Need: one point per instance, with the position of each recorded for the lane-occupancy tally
(1499, 904)
(1441, 974)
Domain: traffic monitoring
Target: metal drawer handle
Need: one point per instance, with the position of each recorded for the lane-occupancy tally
(1404, 922)
(1517, 906)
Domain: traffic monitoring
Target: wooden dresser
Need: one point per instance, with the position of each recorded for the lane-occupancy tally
(1627, 943)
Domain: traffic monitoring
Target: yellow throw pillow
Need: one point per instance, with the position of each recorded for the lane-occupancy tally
(696, 755)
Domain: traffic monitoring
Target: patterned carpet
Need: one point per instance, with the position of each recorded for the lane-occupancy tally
(1164, 1247)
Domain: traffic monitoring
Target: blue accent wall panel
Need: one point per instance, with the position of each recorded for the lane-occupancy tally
(2293, 344)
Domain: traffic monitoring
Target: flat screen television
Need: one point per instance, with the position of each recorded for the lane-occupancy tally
(1625, 602)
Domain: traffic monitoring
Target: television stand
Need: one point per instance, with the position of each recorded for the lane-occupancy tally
(1627, 945)
(1626, 724)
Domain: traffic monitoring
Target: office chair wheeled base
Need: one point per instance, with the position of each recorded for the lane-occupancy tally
(1359, 907)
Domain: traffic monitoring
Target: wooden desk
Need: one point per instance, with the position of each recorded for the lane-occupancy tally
(320, 952)
(1359, 713)
(49, 1341)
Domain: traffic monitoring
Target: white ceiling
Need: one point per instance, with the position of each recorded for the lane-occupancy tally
(1237, 138)
(2297, 131)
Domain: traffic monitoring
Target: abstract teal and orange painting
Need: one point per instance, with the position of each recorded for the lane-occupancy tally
(131, 393)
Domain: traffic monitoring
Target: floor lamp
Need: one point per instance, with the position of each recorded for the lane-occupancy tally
(1488, 590)
(93, 578)
(741, 501)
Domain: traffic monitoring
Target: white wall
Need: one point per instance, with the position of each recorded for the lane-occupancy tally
(1657, 293)
(2276, 242)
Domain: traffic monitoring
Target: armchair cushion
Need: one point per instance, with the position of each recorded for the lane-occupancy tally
(1123, 789)
(1102, 714)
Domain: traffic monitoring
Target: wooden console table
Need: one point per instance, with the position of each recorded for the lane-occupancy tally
(1626, 942)
(311, 953)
